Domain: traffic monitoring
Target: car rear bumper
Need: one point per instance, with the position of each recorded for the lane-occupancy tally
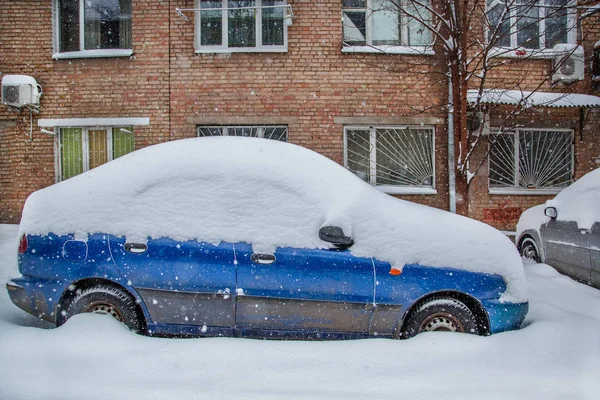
(38, 297)
(505, 316)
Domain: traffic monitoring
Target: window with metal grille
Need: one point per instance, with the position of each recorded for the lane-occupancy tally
(81, 149)
(241, 25)
(531, 160)
(91, 25)
(531, 24)
(278, 132)
(381, 23)
(391, 157)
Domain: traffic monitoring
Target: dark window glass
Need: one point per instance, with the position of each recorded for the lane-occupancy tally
(69, 25)
(211, 24)
(241, 29)
(107, 24)
(528, 21)
(499, 25)
(272, 23)
(556, 22)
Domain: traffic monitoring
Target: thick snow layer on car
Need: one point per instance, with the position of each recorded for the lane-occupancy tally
(269, 194)
(579, 202)
(531, 218)
(555, 356)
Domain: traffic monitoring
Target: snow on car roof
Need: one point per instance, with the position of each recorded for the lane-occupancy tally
(579, 202)
(269, 194)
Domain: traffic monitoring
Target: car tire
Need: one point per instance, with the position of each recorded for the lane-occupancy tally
(529, 250)
(106, 299)
(439, 314)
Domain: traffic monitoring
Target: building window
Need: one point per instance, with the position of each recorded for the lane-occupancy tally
(241, 25)
(82, 149)
(92, 26)
(531, 160)
(381, 23)
(275, 132)
(531, 24)
(394, 158)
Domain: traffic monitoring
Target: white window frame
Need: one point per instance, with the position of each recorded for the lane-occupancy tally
(368, 47)
(224, 47)
(517, 190)
(95, 53)
(514, 51)
(85, 144)
(391, 189)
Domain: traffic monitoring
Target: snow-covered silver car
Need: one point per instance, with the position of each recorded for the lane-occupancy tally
(565, 232)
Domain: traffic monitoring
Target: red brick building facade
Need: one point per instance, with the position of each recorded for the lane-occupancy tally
(167, 83)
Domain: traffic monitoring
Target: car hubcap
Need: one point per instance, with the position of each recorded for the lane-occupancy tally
(100, 307)
(529, 252)
(441, 322)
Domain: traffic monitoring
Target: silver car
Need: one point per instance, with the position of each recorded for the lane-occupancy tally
(565, 232)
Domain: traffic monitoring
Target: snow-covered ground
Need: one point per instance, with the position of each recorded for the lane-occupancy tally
(555, 356)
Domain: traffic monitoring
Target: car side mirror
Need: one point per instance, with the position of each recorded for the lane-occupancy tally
(551, 212)
(336, 236)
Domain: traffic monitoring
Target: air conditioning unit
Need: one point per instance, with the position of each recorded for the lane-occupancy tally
(568, 63)
(20, 91)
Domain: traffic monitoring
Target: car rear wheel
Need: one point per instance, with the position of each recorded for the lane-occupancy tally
(528, 250)
(105, 299)
(440, 314)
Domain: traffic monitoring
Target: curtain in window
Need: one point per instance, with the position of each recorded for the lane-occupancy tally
(98, 151)
(386, 22)
(355, 22)
(498, 22)
(241, 24)
(107, 24)
(418, 34)
(122, 141)
(71, 152)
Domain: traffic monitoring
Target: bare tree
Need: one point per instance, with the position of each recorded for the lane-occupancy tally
(476, 40)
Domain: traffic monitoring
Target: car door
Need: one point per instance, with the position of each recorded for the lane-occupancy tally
(567, 248)
(310, 290)
(185, 283)
(595, 254)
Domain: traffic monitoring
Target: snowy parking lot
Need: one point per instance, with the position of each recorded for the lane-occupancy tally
(555, 356)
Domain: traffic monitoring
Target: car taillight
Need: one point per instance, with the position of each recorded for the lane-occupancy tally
(23, 244)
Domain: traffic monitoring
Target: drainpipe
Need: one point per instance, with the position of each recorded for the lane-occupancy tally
(451, 163)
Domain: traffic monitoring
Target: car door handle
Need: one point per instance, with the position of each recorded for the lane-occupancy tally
(262, 258)
(136, 248)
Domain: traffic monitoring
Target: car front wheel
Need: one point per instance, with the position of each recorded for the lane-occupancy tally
(440, 314)
(528, 250)
(105, 299)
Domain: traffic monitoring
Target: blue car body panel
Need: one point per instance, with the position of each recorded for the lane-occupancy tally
(202, 289)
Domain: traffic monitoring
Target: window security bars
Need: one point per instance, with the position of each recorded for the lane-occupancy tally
(268, 132)
(81, 149)
(394, 156)
(531, 160)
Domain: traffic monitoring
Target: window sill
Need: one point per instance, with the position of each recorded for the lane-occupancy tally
(405, 189)
(407, 50)
(540, 54)
(103, 53)
(227, 50)
(524, 192)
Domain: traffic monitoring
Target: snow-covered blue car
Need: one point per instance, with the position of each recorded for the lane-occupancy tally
(257, 238)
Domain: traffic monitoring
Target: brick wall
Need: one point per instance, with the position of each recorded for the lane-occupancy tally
(313, 88)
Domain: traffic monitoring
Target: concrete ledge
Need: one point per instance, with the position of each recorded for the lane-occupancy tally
(420, 120)
(241, 120)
